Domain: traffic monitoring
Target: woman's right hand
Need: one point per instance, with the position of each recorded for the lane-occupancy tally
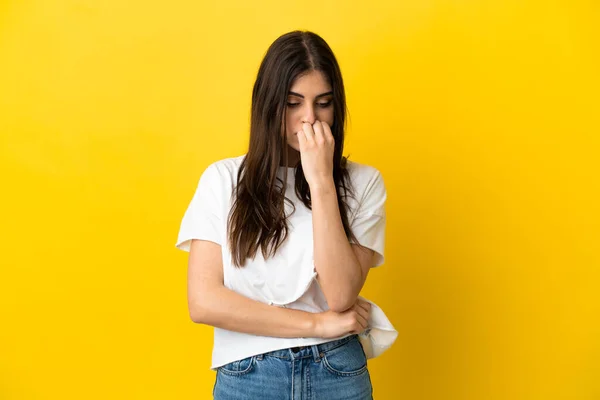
(330, 324)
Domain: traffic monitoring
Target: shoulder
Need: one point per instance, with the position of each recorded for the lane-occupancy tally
(222, 171)
(369, 192)
(219, 177)
(226, 166)
(364, 176)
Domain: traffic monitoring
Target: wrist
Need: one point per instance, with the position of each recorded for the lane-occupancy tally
(322, 186)
(315, 325)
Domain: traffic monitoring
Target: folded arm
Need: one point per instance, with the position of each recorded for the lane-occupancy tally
(341, 267)
(211, 303)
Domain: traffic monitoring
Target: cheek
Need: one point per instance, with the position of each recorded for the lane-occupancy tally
(289, 122)
(326, 115)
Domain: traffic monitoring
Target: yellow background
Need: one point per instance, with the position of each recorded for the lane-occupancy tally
(483, 117)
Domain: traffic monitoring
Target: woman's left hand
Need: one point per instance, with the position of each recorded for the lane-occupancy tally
(316, 153)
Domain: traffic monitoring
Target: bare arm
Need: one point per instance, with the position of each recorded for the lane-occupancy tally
(342, 267)
(211, 303)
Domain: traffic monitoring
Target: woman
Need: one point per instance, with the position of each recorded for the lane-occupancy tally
(281, 240)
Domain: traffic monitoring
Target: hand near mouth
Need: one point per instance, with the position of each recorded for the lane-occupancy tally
(316, 153)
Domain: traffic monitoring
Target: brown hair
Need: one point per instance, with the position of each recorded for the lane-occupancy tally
(257, 217)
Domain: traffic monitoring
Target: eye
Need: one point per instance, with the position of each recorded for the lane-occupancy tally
(324, 105)
(292, 104)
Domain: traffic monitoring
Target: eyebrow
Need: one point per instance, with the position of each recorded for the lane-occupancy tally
(318, 96)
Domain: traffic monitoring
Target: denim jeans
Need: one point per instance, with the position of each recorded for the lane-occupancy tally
(335, 370)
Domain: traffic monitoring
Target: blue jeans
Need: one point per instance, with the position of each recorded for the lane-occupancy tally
(329, 371)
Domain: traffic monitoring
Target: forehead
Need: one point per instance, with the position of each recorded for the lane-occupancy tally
(313, 82)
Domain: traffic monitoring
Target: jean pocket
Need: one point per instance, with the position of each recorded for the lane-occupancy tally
(239, 367)
(346, 360)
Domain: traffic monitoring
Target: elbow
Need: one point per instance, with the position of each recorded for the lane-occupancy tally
(339, 294)
(341, 304)
(339, 299)
(202, 305)
(196, 316)
(198, 313)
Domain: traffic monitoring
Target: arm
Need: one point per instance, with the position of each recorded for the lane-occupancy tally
(341, 267)
(211, 303)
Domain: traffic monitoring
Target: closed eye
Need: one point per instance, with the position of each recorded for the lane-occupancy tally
(322, 105)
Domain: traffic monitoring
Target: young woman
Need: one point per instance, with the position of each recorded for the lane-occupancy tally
(281, 240)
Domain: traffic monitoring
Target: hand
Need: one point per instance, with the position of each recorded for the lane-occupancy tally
(331, 324)
(316, 152)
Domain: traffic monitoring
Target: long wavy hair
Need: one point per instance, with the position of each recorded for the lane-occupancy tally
(257, 218)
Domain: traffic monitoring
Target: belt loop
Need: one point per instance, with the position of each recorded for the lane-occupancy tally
(315, 351)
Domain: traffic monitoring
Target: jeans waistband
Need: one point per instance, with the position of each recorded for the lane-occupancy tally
(307, 351)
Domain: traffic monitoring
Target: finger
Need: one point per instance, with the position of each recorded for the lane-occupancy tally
(319, 134)
(359, 325)
(308, 131)
(363, 313)
(327, 131)
(364, 322)
(365, 305)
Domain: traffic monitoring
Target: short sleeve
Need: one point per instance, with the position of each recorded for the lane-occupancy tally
(368, 224)
(202, 219)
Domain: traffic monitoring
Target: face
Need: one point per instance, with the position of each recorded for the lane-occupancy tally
(309, 99)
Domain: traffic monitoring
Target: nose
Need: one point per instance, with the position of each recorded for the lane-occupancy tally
(309, 115)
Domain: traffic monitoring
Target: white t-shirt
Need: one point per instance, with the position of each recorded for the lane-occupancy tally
(289, 278)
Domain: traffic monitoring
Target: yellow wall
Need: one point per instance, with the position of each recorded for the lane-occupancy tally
(482, 116)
